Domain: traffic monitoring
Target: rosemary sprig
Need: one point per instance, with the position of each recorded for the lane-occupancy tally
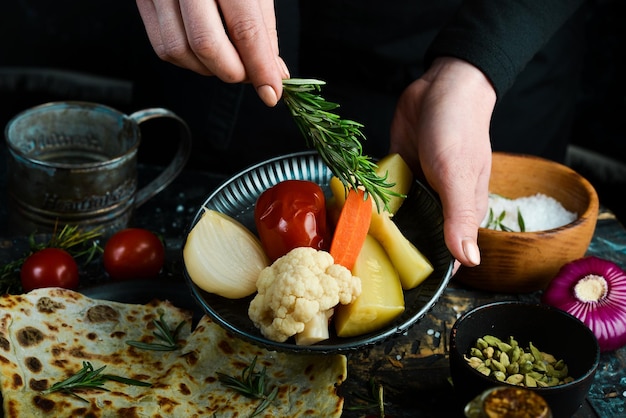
(89, 378)
(495, 223)
(163, 333)
(335, 139)
(252, 385)
(520, 221)
(373, 399)
(79, 243)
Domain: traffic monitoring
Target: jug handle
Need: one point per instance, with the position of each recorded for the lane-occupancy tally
(178, 161)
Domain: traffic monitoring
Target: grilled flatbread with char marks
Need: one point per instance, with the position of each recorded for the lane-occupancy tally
(47, 334)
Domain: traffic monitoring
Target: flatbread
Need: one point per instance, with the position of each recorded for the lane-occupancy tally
(47, 334)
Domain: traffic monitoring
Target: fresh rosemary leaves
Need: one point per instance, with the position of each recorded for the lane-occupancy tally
(496, 223)
(89, 378)
(374, 399)
(162, 333)
(335, 139)
(77, 242)
(251, 384)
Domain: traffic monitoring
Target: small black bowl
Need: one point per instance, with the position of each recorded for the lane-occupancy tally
(549, 329)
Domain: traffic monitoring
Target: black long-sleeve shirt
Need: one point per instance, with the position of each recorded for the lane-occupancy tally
(392, 42)
(501, 37)
(531, 51)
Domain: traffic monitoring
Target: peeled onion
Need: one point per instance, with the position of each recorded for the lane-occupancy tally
(593, 290)
(223, 257)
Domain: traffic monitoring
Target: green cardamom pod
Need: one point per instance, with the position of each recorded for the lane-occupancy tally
(529, 381)
(491, 340)
(504, 359)
(536, 353)
(475, 352)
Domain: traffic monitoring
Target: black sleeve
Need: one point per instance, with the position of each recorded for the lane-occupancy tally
(500, 37)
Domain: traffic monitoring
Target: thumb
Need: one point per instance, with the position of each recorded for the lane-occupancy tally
(463, 211)
(461, 236)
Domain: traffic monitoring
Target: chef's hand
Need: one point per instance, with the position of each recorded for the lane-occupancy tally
(190, 34)
(441, 128)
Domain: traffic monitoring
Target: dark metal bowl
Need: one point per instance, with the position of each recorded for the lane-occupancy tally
(420, 219)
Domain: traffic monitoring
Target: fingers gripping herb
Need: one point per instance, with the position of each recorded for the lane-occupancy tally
(335, 139)
(89, 378)
(252, 385)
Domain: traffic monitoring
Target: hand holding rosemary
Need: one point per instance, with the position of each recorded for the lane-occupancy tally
(335, 139)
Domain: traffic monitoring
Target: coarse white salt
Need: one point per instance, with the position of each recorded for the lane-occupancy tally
(539, 213)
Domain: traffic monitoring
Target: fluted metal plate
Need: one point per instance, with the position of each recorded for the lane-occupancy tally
(420, 219)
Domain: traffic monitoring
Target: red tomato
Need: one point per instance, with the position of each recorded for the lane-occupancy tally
(50, 267)
(133, 253)
(291, 214)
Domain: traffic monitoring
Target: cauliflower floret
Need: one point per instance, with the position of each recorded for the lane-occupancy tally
(298, 292)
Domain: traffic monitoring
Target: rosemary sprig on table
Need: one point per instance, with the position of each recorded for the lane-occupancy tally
(251, 384)
(90, 378)
(163, 333)
(78, 242)
(373, 399)
(335, 139)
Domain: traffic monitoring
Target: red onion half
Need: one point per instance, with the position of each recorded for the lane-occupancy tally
(593, 290)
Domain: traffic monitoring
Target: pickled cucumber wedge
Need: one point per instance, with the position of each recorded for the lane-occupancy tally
(399, 174)
(412, 266)
(381, 299)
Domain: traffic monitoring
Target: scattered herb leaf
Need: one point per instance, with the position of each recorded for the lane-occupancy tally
(252, 385)
(520, 221)
(162, 333)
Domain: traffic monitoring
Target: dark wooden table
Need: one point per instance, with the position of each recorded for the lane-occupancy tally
(413, 368)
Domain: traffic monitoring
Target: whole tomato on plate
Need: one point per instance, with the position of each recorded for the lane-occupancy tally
(133, 253)
(50, 267)
(291, 214)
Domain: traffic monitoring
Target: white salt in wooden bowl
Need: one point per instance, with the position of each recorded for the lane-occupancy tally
(522, 262)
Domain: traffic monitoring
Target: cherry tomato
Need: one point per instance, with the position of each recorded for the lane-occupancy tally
(50, 267)
(133, 253)
(291, 214)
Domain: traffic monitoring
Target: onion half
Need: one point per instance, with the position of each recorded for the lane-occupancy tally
(223, 257)
(593, 290)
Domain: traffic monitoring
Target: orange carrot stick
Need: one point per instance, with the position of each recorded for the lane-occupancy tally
(351, 229)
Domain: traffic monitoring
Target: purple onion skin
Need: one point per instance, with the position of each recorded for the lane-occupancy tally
(606, 317)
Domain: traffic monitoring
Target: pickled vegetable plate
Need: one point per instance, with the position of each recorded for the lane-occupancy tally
(420, 219)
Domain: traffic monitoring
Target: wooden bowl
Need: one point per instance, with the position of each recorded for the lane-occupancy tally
(514, 262)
